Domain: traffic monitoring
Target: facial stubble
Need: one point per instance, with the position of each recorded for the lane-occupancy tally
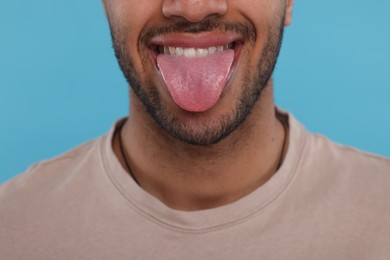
(223, 125)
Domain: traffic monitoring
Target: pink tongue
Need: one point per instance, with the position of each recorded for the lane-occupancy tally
(196, 83)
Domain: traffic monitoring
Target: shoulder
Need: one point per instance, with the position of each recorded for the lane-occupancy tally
(343, 159)
(37, 204)
(46, 176)
(349, 176)
(322, 157)
(342, 190)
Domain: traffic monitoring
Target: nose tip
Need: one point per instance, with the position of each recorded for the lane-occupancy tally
(194, 10)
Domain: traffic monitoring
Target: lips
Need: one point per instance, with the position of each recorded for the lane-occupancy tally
(196, 67)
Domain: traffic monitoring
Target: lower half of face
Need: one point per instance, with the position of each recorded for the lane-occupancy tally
(186, 115)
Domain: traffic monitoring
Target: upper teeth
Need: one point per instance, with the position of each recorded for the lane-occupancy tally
(192, 52)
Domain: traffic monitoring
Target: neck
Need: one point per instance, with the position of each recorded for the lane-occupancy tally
(188, 177)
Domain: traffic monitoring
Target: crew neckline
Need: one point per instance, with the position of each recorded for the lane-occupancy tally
(209, 219)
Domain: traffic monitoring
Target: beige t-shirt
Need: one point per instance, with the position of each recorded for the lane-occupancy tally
(325, 202)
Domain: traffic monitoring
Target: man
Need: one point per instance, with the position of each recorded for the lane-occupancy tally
(205, 166)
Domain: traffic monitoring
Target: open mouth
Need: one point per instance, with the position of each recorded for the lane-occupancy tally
(192, 52)
(196, 68)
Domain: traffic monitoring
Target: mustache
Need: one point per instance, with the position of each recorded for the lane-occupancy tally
(247, 30)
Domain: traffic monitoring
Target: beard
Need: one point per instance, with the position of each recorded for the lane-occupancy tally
(200, 133)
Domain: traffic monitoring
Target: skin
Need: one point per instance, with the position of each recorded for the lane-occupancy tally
(182, 175)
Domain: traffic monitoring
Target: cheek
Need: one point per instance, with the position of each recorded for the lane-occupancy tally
(260, 13)
(128, 18)
(265, 16)
(134, 9)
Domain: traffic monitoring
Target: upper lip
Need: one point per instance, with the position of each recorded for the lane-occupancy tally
(190, 40)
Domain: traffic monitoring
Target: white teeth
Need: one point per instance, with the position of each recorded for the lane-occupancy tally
(189, 52)
(179, 51)
(192, 52)
(202, 52)
(172, 51)
(212, 50)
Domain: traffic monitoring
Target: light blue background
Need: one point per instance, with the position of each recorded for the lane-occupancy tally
(60, 84)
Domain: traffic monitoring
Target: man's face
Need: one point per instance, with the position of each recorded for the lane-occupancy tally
(198, 66)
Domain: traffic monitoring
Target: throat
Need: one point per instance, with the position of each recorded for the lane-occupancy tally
(189, 178)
